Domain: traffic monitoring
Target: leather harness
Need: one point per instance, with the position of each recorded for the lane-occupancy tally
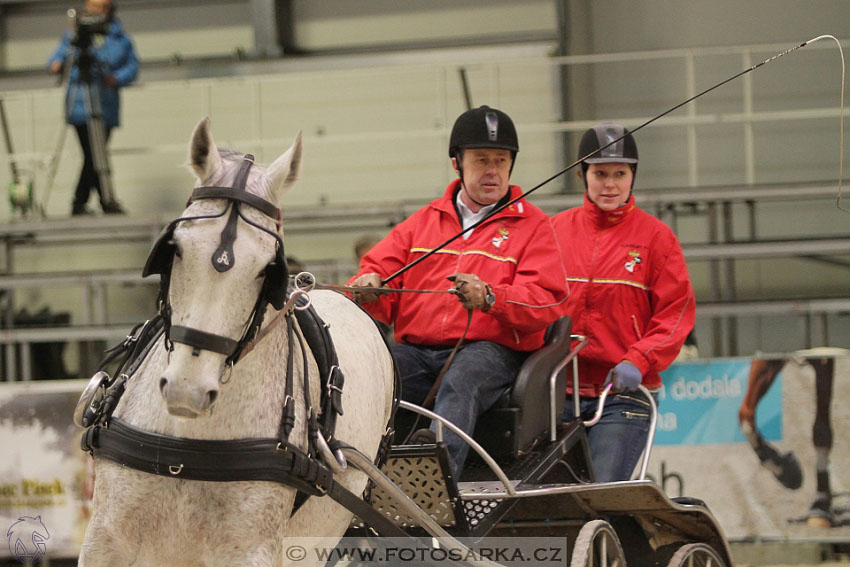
(264, 459)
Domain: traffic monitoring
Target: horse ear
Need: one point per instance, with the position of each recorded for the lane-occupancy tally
(286, 169)
(204, 159)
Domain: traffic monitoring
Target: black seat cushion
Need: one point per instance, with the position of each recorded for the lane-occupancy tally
(522, 414)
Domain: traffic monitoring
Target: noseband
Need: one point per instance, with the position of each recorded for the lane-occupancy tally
(273, 292)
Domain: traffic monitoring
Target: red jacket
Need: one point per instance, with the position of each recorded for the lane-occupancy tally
(512, 251)
(629, 291)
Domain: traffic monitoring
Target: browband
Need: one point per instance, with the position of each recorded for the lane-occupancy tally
(258, 203)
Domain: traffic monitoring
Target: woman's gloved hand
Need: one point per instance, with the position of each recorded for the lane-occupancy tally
(625, 376)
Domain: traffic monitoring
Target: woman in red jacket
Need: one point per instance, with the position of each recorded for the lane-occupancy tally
(630, 294)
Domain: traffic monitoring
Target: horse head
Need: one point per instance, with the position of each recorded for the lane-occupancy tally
(222, 265)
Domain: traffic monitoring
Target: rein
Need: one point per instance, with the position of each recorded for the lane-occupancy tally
(353, 289)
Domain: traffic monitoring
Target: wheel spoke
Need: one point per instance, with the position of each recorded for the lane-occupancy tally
(597, 545)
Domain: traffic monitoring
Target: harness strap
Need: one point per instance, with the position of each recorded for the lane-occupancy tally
(315, 332)
(228, 461)
(201, 340)
(223, 259)
(287, 419)
(312, 418)
(208, 460)
(365, 512)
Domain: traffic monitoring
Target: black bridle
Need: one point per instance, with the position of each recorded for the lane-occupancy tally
(273, 292)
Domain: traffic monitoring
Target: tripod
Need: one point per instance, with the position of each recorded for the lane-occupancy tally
(95, 125)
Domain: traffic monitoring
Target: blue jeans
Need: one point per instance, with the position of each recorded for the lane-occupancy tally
(618, 439)
(479, 374)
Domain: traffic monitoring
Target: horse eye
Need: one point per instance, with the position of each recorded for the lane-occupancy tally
(176, 248)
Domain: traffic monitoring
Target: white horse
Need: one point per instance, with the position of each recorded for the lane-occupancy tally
(147, 520)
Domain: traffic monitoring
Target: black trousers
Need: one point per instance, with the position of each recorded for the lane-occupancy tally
(88, 175)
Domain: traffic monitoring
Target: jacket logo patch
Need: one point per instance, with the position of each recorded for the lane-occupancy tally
(633, 261)
(503, 235)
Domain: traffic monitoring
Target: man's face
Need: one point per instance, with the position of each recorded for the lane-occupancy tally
(609, 184)
(486, 173)
(100, 7)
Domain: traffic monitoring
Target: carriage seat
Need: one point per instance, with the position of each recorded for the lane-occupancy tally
(521, 416)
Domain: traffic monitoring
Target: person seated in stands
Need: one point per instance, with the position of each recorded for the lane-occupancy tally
(505, 274)
(630, 294)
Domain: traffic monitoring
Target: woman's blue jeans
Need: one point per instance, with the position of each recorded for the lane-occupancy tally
(479, 374)
(618, 439)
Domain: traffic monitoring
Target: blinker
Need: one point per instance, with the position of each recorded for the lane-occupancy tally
(276, 274)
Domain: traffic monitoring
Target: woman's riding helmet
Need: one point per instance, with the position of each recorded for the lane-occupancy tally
(616, 142)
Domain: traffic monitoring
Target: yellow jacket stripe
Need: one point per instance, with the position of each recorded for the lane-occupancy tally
(609, 281)
(465, 252)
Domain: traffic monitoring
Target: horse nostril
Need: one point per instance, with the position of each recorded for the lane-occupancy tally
(211, 396)
(163, 382)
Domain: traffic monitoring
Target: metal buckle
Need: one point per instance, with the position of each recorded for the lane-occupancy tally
(335, 460)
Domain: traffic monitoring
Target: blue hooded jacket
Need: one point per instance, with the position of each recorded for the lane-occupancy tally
(113, 55)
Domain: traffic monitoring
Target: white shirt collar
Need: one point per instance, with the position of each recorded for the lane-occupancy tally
(468, 217)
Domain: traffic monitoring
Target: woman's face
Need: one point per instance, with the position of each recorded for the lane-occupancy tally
(609, 184)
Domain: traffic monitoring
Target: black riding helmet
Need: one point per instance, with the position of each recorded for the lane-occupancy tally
(623, 150)
(483, 127)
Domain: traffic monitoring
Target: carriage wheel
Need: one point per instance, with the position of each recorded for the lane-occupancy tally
(696, 555)
(597, 545)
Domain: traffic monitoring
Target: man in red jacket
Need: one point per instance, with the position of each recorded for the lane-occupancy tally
(505, 271)
(630, 294)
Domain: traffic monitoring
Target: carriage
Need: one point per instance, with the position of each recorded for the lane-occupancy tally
(532, 476)
(210, 451)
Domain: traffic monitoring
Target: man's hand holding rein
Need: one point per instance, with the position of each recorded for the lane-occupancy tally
(472, 291)
(370, 280)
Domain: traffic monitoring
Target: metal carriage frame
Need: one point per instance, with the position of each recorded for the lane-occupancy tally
(531, 475)
(542, 488)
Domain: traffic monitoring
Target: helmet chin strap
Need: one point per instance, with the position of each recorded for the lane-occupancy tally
(463, 182)
(468, 196)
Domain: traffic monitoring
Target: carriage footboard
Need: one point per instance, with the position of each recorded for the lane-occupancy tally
(409, 507)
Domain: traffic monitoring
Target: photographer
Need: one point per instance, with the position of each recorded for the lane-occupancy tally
(102, 59)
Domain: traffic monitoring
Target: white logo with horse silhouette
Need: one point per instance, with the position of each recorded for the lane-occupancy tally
(26, 539)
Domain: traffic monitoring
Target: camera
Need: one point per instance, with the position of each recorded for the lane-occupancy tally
(87, 26)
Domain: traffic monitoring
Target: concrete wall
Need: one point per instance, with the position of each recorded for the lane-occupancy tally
(376, 126)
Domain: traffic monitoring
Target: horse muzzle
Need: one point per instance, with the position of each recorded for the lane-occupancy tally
(189, 390)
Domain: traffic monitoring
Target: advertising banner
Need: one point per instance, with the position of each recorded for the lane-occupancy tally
(45, 480)
(784, 477)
